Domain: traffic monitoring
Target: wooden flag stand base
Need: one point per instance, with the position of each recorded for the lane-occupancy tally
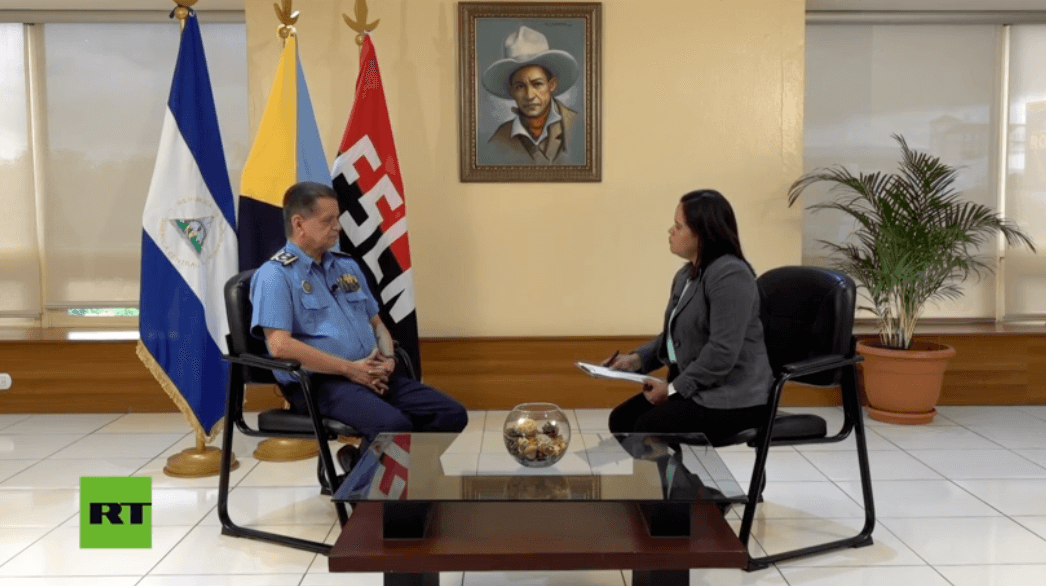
(280, 449)
(197, 462)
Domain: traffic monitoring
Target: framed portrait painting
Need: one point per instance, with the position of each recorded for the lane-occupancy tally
(530, 91)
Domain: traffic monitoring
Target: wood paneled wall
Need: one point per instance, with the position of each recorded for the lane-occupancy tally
(52, 374)
(498, 374)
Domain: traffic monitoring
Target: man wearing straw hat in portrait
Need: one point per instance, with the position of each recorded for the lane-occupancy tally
(543, 130)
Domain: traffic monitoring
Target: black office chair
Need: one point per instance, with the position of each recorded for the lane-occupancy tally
(251, 365)
(807, 316)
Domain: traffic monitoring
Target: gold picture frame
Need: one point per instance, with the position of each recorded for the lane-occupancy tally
(530, 91)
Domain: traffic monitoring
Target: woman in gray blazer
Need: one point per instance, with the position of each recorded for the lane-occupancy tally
(712, 341)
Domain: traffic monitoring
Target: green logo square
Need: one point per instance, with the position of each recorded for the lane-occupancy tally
(116, 512)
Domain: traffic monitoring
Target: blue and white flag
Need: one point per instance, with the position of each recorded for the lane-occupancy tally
(189, 247)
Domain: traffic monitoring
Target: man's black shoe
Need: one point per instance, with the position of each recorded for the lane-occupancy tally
(347, 456)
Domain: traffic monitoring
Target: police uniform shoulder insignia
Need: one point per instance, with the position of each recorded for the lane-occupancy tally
(283, 257)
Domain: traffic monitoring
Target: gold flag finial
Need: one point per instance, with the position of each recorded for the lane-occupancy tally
(287, 19)
(182, 11)
(360, 25)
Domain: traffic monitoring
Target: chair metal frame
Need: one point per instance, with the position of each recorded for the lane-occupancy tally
(235, 421)
(853, 422)
(836, 369)
(245, 367)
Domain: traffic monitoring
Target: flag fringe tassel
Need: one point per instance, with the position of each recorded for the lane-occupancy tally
(172, 391)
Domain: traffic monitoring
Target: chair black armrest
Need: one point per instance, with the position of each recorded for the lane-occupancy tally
(263, 362)
(819, 364)
(403, 364)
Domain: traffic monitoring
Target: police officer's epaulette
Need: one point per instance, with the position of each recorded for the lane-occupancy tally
(284, 257)
(341, 253)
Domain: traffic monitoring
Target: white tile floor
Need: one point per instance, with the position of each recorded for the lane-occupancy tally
(960, 502)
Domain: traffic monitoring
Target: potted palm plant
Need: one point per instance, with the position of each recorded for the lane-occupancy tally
(916, 240)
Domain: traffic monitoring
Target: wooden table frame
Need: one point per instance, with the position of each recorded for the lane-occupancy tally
(412, 542)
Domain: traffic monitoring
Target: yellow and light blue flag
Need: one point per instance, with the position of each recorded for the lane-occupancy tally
(188, 247)
(286, 150)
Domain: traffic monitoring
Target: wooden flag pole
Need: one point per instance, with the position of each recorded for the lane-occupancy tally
(201, 460)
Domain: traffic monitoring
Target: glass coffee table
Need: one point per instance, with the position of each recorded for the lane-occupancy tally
(425, 503)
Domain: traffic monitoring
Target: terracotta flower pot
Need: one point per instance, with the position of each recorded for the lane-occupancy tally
(903, 385)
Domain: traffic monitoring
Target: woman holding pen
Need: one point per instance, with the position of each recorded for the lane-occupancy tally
(712, 340)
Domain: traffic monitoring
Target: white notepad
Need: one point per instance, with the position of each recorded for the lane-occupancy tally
(609, 373)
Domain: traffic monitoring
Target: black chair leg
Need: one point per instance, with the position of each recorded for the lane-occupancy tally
(852, 407)
(233, 415)
(864, 538)
(326, 459)
(234, 411)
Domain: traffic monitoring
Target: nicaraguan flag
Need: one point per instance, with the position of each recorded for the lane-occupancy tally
(286, 150)
(188, 247)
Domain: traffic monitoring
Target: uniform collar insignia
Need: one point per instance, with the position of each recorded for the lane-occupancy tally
(284, 257)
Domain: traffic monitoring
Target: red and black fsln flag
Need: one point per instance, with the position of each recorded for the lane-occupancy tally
(366, 176)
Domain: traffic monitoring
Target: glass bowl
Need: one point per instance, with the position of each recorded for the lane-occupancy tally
(537, 434)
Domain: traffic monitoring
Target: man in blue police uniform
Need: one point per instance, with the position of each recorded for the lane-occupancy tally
(312, 305)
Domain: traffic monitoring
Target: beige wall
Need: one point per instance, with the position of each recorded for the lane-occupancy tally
(695, 94)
